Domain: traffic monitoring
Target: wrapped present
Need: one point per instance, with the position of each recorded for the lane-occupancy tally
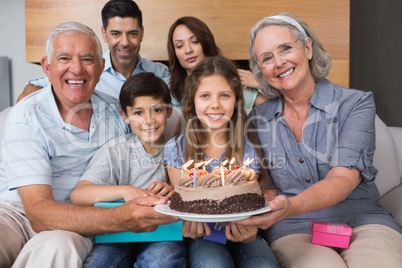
(168, 232)
(330, 234)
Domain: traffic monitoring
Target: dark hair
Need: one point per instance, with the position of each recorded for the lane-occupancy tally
(204, 35)
(143, 84)
(122, 9)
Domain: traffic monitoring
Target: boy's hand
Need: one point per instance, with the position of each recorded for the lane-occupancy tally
(131, 192)
(240, 233)
(160, 188)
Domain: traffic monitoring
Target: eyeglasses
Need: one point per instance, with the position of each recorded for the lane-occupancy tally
(268, 58)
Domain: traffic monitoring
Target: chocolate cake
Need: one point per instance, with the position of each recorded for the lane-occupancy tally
(241, 193)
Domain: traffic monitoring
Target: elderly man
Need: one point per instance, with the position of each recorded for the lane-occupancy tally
(123, 31)
(49, 138)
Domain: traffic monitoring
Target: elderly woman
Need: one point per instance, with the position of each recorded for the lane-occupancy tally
(318, 139)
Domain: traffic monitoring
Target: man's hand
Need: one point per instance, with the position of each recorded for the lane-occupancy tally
(45, 214)
(140, 215)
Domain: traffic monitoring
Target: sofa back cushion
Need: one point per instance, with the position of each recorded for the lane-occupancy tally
(396, 133)
(3, 116)
(385, 159)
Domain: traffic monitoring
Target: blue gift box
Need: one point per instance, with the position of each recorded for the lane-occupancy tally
(169, 232)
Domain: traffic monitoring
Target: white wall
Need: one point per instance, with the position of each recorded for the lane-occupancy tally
(12, 45)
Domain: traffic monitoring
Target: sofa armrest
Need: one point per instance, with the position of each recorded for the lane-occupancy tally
(392, 202)
(385, 159)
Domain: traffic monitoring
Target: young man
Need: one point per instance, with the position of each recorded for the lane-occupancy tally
(49, 138)
(131, 166)
(123, 31)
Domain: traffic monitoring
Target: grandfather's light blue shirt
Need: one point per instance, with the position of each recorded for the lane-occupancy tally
(339, 131)
(174, 156)
(38, 147)
(111, 81)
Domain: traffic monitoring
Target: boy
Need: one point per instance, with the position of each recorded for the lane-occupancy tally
(131, 166)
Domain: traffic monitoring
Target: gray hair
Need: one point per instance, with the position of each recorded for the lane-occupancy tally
(320, 64)
(71, 28)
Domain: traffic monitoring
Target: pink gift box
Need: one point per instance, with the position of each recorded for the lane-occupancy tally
(330, 234)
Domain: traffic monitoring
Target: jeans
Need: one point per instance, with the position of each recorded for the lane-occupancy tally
(138, 255)
(203, 253)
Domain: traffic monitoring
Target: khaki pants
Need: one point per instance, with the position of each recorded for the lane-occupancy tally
(20, 246)
(371, 245)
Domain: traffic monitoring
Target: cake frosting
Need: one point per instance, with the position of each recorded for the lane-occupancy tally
(240, 193)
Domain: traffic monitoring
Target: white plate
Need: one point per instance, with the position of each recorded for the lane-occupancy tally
(164, 209)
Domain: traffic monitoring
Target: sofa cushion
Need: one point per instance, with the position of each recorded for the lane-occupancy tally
(172, 121)
(385, 159)
(3, 116)
(396, 133)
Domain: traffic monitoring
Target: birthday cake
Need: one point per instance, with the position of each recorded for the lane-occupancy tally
(240, 192)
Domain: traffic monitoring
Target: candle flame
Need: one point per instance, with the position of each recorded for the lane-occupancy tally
(232, 161)
(248, 162)
(224, 163)
(197, 165)
(187, 164)
(206, 163)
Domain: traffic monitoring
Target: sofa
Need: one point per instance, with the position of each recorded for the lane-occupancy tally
(387, 159)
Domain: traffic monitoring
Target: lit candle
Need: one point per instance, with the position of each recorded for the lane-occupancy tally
(222, 173)
(196, 165)
(185, 166)
(247, 162)
(231, 163)
(206, 163)
(195, 177)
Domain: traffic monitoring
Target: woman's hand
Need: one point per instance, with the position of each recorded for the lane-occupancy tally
(280, 208)
(160, 188)
(240, 233)
(195, 229)
(247, 79)
(270, 194)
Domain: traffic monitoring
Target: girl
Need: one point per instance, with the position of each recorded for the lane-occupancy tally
(213, 110)
(189, 42)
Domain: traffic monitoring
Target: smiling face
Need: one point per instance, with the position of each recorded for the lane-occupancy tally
(187, 48)
(74, 70)
(124, 37)
(290, 71)
(148, 120)
(214, 102)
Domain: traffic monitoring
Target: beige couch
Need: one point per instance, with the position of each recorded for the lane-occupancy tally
(387, 159)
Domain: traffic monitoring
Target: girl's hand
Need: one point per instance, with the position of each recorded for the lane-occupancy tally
(247, 79)
(160, 188)
(195, 229)
(241, 233)
(131, 192)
